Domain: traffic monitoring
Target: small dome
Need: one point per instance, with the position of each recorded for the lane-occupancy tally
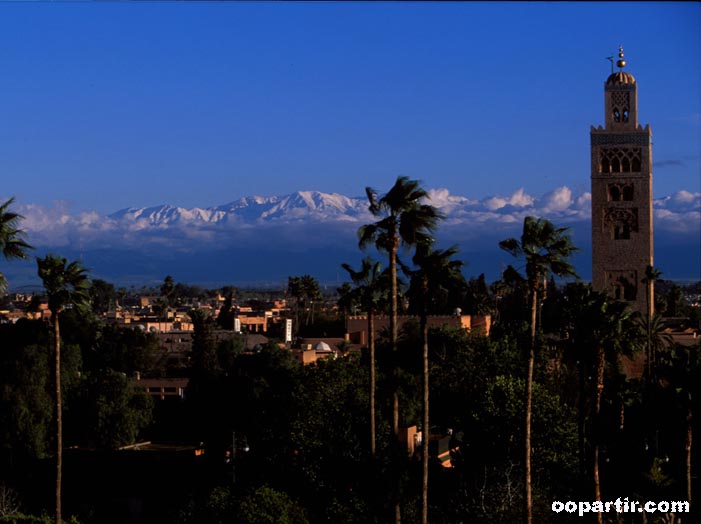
(322, 346)
(620, 78)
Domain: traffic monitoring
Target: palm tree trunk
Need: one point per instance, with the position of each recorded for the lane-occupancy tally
(426, 430)
(295, 318)
(580, 421)
(394, 336)
(59, 417)
(528, 501)
(647, 333)
(395, 379)
(600, 364)
(688, 452)
(371, 346)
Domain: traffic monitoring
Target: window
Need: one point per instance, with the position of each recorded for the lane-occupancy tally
(621, 232)
(624, 289)
(617, 292)
(628, 193)
(616, 165)
(619, 160)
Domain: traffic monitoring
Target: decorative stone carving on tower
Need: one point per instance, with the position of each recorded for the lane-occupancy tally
(621, 195)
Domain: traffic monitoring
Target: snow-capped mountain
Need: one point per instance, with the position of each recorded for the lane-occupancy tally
(302, 205)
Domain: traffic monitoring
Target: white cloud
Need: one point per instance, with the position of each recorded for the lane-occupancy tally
(681, 200)
(518, 199)
(558, 199)
(447, 202)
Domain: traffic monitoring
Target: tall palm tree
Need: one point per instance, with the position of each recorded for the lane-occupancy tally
(402, 220)
(601, 331)
(64, 284)
(294, 293)
(312, 293)
(435, 276)
(546, 250)
(682, 367)
(304, 290)
(369, 292)
(611, 330)
(656, 340)
(652, 274)
(12, 241)
(578, 298)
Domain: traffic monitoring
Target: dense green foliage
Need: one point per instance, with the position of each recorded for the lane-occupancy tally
(305, 428)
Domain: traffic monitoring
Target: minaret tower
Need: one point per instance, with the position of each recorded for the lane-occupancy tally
(621, 195)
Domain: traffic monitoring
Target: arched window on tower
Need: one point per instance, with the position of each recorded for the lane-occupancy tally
(621, 232)
(625, 165)
(628, 193)
(629, 290)
(605, 165)
(617, 291)
(636, 165)
(615, 165)
(614, 193)
(616, 115)
(623, 289)
(625, 115)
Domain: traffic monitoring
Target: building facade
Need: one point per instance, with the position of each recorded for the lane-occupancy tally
(621, 196)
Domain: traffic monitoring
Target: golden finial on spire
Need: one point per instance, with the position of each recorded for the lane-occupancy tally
(621, 63)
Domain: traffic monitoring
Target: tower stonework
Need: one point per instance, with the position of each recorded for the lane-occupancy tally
(621, 196)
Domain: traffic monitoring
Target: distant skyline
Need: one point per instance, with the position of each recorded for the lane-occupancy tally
(109, 105)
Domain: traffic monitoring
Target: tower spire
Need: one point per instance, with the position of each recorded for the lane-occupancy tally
(620, 63)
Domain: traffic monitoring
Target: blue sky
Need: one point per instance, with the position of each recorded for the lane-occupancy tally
(109, 105)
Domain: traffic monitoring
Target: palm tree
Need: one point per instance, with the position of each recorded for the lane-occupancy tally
(64, 284)
(546, 250)
(682, 367)
(12, 243)
(369, 291)
(652, 274)
(435, 276)
(312, 293)
(656, 340)
(601, 331)
(403, 220)
(304, 290)
(612, 330)
(346, 303)
(294, 291)
(578, 298)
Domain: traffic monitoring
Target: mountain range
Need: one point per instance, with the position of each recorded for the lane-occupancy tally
(302, 205)
(264, 239)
